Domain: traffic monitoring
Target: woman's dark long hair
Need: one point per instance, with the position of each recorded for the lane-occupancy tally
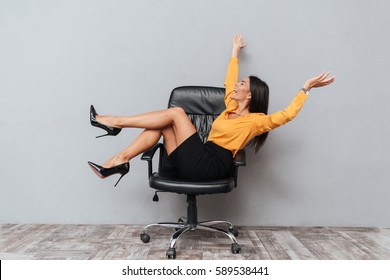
(259, 104)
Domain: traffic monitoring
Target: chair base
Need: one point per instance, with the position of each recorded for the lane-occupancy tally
(190, 223)
(182, 226)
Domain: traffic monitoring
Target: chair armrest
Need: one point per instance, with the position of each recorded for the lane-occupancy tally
(149, 154)
(240, 159)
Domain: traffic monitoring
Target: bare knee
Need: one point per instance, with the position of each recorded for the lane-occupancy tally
(177, 111)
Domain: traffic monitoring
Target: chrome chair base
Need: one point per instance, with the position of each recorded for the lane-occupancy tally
(182, 227)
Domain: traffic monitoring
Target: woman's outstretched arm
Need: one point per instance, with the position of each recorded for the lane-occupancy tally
(277, 119)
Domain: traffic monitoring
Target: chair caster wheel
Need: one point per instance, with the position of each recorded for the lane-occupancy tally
(145, 237)
(233, 231)
(236, 248)
(171, 253)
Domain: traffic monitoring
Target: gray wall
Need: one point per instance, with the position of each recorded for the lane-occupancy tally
(330, 166)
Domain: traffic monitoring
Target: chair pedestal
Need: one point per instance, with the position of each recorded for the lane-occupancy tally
(191, 224)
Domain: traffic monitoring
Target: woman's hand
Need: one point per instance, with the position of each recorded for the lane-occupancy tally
(238, 41)
(238, 44)
(319, 81)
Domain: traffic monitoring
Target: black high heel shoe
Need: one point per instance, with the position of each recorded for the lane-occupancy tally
(110, 130)
(103, 172)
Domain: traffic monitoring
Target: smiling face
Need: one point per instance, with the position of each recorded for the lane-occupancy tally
(242, 91)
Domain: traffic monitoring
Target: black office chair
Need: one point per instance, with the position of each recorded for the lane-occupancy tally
(202, 105)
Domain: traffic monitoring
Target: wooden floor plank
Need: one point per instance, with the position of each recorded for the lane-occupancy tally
(261, 252)
(271, 245)
(293, 246)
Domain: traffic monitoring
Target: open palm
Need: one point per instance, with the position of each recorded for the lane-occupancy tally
(319, 81)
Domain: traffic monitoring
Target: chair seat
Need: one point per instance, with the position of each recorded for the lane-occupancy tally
(166, 183)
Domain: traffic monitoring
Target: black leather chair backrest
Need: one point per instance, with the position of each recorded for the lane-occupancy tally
(202, 105)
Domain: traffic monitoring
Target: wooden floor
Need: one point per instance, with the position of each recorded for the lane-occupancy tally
(110, 242)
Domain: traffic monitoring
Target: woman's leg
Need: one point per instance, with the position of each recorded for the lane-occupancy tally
(174, 118)
(146, 140)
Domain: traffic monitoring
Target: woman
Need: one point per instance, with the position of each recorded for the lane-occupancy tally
(244, 121)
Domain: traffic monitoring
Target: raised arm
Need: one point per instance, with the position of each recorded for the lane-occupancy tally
(277, 119)
(232, 71)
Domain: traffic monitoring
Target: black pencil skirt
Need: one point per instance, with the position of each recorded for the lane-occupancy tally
(197, 161)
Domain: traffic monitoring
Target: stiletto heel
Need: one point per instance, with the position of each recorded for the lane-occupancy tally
(119, 179)
(103, 172)
(113, 131)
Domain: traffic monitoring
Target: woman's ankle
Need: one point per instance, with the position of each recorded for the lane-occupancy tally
(108, 120)
(115, 161)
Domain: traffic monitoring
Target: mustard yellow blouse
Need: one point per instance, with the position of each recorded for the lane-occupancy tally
(234, 134)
